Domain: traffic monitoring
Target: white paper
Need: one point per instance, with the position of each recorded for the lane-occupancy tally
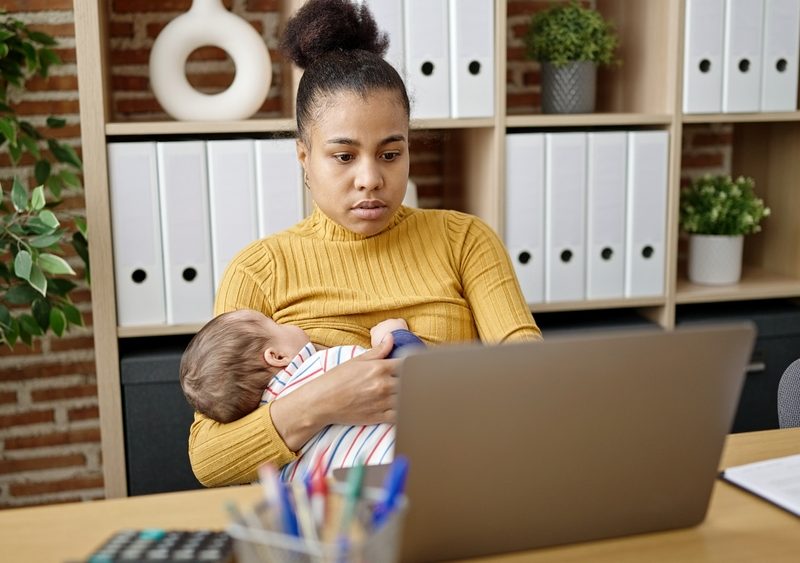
(776, 480)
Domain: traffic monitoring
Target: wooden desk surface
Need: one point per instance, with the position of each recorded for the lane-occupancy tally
(739, 526)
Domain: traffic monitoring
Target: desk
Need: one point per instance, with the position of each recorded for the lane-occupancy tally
(739, 527)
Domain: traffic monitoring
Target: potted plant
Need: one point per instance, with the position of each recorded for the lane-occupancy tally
(716, 212)
(570, 41)
(34, 294)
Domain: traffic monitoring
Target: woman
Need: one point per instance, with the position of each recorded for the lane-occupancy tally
(361, 257)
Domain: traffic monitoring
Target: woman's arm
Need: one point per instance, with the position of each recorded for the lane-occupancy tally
(491, 288)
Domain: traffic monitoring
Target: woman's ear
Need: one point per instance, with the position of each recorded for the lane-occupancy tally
(275, 359)
(302, 152)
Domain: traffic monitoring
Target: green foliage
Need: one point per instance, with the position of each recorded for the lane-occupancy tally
(565, 33)
(719, 205)
(25, 53)
(34, 295)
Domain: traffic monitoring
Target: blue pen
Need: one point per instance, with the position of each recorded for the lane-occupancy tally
(288, 516)
(393, 485)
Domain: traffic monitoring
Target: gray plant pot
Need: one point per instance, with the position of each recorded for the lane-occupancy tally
(569, 89)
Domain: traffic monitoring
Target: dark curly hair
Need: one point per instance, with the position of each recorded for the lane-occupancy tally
(341, 48)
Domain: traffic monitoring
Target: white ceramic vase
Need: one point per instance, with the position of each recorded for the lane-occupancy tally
(208, 23)
(715, 259)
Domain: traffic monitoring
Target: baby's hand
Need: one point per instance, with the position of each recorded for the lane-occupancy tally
(380, 330)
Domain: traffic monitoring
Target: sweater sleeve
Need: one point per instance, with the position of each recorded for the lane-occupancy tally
(229, 453)
(491, 288)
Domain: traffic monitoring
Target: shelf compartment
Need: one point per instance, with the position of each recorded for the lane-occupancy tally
(587, 119)
(787, 116)
(596, 304)
(756, 283)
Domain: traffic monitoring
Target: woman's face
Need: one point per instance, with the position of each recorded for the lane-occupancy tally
(356, 161)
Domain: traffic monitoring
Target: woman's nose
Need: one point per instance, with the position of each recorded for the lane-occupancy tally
(368, 177)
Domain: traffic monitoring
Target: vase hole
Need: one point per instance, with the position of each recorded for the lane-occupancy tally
(209, 69)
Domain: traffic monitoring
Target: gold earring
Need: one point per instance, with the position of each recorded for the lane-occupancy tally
(305, 181)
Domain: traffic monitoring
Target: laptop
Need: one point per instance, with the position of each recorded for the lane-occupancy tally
(579, 438)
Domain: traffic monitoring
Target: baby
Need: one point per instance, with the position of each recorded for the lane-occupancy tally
(243, 359)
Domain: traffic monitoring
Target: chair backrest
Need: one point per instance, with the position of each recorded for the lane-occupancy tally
(789, 397)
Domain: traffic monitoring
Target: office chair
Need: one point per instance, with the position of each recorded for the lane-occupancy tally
(789, 397)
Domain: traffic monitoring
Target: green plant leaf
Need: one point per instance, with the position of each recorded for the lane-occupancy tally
(82, 249)
(72, 314)
(48, 218)
(15, 152)
(61, 287)
(5, 316)
(42, 38)
(53, 264)
(41, 171)
(70, 179)
(19, 195)
(30, 145)
(30, 56)
(30, 130)
(8, 130)
(58, 322)
(21, 295)
(25, 336)
(64, 153)
(5, 34)
(30, 325)
(54, 184)
(41, 312)
(3, 50)
(37, 198)
(45, 241)
(23, 264)
(38, 281)
(11, 334)
(56, 122)
(80, 223)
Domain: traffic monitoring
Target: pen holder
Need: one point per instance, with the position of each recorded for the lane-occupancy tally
(367, 545)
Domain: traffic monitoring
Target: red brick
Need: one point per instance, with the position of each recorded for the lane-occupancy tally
(711, 139)
(27, 417)
(153, 29)
(44, 487)
(8, 397)
(528, 101)
(706, 160)
(137, 83)
(66, 132)
(39, 463)
(426, 168)
(51, 107)
(61, 393)
(120, 29)
(520, 30)
(21, 349)
(37, 5)
(130, 56)
(55, 30)
(139, 105)
(218, 80)
(522, 7)
(49, 370)
(516, 54)
(263, 5)
(54, 83)
(208, 54)
(531, 78)
(83, 436)
(66, 55)
(83, 413)
(77, 343)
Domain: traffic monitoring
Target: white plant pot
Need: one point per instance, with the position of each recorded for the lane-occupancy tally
(715, 259)
(208, 23)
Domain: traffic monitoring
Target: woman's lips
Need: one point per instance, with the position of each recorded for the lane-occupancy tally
(369, 210)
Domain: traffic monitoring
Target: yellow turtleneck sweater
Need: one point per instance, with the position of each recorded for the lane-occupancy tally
(446, 273)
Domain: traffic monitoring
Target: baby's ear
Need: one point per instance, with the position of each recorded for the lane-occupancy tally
(275, 359)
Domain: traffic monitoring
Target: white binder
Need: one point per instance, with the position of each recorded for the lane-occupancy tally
(232, 199)
(427, 58)
(605, 215)
(702, 56)
(741, 75)
(779, 57)
(645, 249)
(279, 177)
(565, 216)
(471, 58)
(524, 211)
(187, 243)
(136, 232)
(388, 15)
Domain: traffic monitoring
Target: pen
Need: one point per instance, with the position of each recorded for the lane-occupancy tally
(355, 482)
(393, 486)
(304, 513)
(318, 490)
(277, 497)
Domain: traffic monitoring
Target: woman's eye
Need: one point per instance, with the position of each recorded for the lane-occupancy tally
(343, 157)
(390, 156)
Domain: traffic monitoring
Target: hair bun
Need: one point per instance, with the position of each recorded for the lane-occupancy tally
(322, 26)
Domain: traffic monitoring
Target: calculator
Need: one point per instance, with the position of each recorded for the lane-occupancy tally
(165, 546)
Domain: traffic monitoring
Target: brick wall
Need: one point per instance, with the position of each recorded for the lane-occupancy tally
(49, 427)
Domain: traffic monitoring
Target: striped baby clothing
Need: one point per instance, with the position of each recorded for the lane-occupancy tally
(339, 445)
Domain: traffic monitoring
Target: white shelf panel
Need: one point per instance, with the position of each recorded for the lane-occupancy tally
(157, 330)
(587, 119)
(755, 283)
(741, 117)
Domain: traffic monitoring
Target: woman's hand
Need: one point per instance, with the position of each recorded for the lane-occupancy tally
(360, 391)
